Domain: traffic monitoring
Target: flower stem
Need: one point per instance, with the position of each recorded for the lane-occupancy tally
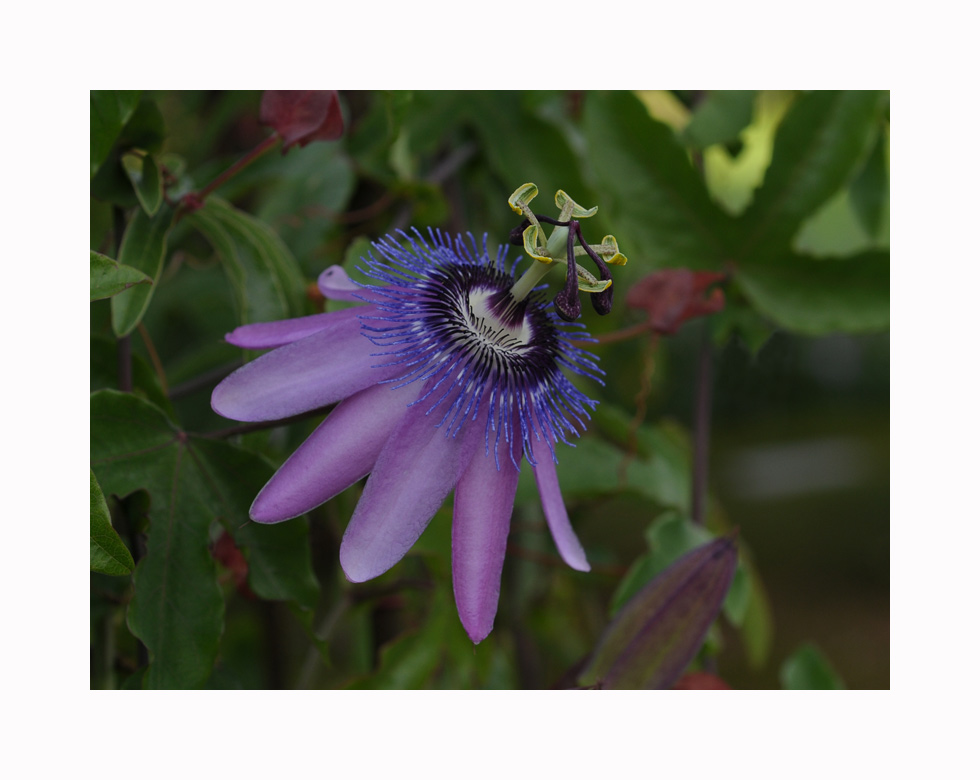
(702, 426)
(248, 159)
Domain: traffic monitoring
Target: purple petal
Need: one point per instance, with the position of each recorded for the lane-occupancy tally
(266, 335)
(555, 513)
(415, 471)
(481, 521)
(336, 284)
(342, 450)
(315, 371)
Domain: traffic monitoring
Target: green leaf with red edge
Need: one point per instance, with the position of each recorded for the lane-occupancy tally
(109, 277)
(177, 608)
(819, 146)
(144, 247)
(816, 297)
(659, 631)
(108, 554)
(109, 111)
(657, 201)
(266, 278)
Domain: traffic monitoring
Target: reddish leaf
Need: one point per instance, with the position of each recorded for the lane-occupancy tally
(228, 555)
(676, 295)
(301, 116)
(701, 681)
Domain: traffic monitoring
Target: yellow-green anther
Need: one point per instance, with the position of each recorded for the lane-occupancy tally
(521, 197)
(565, 203)
(531, 234)
(617, 259)
(588, 283)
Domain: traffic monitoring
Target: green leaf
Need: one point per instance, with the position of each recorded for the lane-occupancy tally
(143, 247)
(107, 552)
(279, 560)
(177, 607)
(720, 118)
(145, 128)
(822, 140)
(267, 281)
(521, 147)
(109, 277)
(817, 297)
(109, 110)
(869, 193)
(657, 202)
(808, 670)
(147, 182)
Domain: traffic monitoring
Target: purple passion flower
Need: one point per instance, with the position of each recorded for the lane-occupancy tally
(443, 381)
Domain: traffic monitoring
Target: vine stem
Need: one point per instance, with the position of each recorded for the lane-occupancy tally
(248, 159)
(702, 426)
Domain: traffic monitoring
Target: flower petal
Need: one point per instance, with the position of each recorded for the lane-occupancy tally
(415, 471)
(342, 450)
(315, 371)
(336, 284)
(266, 335)
(569, 547)
(481, 521)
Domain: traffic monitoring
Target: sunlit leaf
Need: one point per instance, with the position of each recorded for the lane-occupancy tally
(821, 142)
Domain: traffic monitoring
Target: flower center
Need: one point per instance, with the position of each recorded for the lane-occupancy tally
(484, 320)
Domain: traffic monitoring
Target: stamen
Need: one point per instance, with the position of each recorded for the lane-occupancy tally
(567, 304)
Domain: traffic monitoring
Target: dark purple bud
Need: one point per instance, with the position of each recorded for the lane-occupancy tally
(517, 234)
(301, 116)
(659, 631)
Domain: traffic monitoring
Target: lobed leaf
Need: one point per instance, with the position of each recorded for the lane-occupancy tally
(656, 199)
(177, 608)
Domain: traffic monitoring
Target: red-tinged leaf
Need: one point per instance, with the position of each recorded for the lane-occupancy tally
(226, 552)
(701, 681)
(673, 296)
(659, 631)
(301, 116)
